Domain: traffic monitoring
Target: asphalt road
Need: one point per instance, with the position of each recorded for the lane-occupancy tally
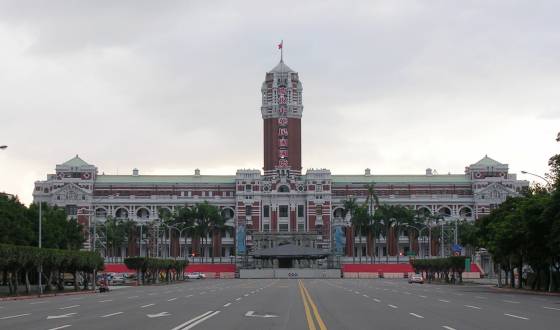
(287, 304)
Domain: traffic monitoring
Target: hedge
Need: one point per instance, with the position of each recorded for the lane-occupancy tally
(148, 269)
(440, 268)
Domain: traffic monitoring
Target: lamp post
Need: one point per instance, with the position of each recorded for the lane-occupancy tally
(419, 232)
(549, 183)
(538, 176)
(40, 245)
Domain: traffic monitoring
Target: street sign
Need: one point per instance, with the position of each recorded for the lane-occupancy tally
(457, 248)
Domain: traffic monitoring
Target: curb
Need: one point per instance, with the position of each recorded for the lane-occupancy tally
(47, 295)
(526, 291)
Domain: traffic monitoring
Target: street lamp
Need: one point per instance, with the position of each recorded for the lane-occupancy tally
(419, 232)
(538, 176)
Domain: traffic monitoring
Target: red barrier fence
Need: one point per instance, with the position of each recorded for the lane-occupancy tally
(203, 268)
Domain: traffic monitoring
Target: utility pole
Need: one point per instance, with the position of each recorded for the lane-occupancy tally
(40, 246)
(442, 239)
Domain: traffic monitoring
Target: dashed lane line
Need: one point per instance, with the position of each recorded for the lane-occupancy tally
(447, 327)
(13, 316)
(226, 305)
(516, 316)
(443, 300)
(188, 296)
(148, 305)
(61, 327)
(112, 314)
(38, 302)
(68, 307)
(552, 308)
(106, 300)
(376, 300)
(392, 306)
(132, 297)
(171, 299)
(511, 301)
(422, 296)
(237, 299)
(416, 315)
(473, 307)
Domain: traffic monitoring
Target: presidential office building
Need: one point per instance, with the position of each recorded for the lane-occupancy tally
(279, 205)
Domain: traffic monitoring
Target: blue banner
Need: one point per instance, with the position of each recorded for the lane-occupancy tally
(241, 247)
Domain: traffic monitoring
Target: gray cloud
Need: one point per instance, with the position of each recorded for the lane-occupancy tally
(174, 85)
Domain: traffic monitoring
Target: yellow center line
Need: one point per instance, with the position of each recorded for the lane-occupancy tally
(322, 325)
(308, 316)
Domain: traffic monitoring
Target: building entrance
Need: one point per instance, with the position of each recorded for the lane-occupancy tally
(284, 263)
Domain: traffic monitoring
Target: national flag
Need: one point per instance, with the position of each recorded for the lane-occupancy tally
(281, 44)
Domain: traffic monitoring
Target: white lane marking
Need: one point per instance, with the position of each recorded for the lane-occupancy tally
(365, 295)
(392, 306)
(447, 327)
(189, 296)
(171, 299)
(511, 301)
(226, 305)
(112, 314)
(356, 292)
(252, 292)
(193, 320)
(148, 305)
(471, 306)
(552, 308)
(13, 316)
(443, 300)
(105, 300)
(237, 299)
(158, 315)
(252, 314)
(38, 302)
(416, 315)
(61, 327)
(406, 292)
(246, 295)
(166, 292)
(60, 316)
(479, 297)
(132, 297)
(422, 296)
(151, 294)
(68, 307)
(76, 298)
(517, 316)
(376, 300)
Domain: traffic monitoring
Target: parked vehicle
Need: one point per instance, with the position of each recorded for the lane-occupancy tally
(416, 278)
(118, 279)
(196, 275)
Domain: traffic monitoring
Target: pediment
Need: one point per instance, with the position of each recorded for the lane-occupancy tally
(71, 191)
(495, 187)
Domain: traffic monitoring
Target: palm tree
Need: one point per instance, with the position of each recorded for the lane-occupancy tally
(183, 219)
(361, 221)
(403, 216)
(385, 216)
(350, 206)
(372, 200)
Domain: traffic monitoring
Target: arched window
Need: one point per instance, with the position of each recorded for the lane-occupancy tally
(284, 189)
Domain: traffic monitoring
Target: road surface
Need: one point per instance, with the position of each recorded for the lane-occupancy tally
(312, 304)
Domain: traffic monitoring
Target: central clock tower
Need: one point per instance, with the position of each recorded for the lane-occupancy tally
(281, 112)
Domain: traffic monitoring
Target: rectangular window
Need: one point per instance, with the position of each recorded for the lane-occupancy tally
(71, 209)
(300, 211)
(266, 227)
(248, 187)
(319, 210)
(283, 227)
(248, 209)
(283, 209)
(301, 227)
(266, 211)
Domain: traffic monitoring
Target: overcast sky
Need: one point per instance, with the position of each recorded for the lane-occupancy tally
(170, 86)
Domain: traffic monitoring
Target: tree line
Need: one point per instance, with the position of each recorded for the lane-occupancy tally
(19, 225)
(20, 265)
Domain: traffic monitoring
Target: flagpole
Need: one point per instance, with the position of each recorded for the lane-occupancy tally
(282, 51)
